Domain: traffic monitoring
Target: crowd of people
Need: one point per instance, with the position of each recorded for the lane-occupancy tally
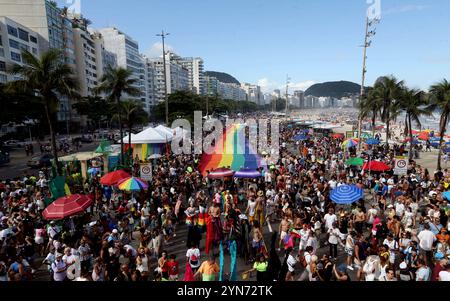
(282, 226)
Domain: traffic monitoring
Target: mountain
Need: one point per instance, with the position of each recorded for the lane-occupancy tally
(223, 77)
(334, 89)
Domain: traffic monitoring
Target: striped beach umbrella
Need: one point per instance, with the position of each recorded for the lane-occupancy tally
(346, 194)
(246, 173)
(349, 143)
(132, 184)
(220, 173)
(67, 206)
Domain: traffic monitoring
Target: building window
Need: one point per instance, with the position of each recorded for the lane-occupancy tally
(23, 35)
(16, 56)
(33, 39)
(1, 43)
(12, 31)
(3, 78)
(14, 44)
(2, 66)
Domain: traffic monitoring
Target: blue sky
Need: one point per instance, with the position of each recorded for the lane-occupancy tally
(261, 41)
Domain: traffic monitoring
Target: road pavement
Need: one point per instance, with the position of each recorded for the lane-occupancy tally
(17, 167)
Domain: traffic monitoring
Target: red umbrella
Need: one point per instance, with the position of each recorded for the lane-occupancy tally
(424, 136)
(220, 173)
(338, 136)
(114, 177)
(67, 206)
(376, 166)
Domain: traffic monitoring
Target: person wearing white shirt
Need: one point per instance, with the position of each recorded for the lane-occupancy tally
(330, 218)
(426, 241)
(332, 184)
(304, 236)
(333, 240)
(445, 275)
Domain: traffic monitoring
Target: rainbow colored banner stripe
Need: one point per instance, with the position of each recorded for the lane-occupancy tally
(232, 151)
(145, 150)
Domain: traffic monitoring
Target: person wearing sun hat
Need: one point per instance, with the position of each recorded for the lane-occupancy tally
(59, 268)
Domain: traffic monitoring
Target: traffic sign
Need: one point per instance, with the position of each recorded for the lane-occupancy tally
(401, 166)
(146, 171)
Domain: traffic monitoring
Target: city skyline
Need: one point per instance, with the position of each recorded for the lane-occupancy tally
(327, 48)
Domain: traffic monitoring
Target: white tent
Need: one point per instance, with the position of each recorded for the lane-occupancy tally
(149, 136)
(126, 138)
(165, 132)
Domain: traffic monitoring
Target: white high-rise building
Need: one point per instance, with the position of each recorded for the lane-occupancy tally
(196, 74)
(177, 76)
(15, 37)
(299, 99)
(104, 58)
(86, 58)
(127, 52)
(254, 93)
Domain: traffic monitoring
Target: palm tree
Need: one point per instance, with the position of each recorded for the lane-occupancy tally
(370, 107)
(48, 78)
(132, 113)
(440, 99)
(115, 83)
(413, 102)
(388, 90)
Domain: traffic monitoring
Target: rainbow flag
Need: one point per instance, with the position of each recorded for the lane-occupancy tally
(232, 150)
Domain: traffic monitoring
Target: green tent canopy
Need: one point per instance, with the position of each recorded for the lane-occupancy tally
(355, 162)
(102, 148)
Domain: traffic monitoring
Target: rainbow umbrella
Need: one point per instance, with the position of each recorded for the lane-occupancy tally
(132, 184)
(349, 143)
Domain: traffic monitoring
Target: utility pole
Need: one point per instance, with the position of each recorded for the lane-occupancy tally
(367, 43)
(287, 95)
(163, 36)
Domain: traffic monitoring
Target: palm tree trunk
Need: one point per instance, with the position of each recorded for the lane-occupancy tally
(410, 137)
(129, 139)
(121, 132)
(373, 124)
(388, 131)
(444, 120)
(52, 136)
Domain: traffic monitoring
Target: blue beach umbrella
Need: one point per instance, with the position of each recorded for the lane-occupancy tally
(373, 141)
(300, 138)
(446, 195)
(346, 194)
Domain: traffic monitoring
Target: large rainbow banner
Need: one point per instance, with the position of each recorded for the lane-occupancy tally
(232, 151)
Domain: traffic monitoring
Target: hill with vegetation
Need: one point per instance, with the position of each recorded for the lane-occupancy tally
(337, 89)
(223, 77)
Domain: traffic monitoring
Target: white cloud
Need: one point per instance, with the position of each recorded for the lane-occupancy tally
(405, 9)
(301, 85)
(267, 86)
(157, 49)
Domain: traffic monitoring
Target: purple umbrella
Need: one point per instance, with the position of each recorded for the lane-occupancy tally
(246, 173)
(221, 173)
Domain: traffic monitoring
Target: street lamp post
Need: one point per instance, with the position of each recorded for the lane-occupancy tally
(367, 43)
(287, 95)
(163, 36)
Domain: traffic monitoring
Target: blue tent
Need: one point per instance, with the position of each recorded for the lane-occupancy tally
(346, 194)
